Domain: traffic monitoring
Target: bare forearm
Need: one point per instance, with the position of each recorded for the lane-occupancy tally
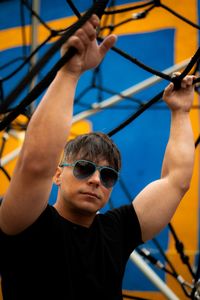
(50, 125)
(179, 156)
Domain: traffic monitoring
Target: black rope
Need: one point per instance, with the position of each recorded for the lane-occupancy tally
(138, 63)
(177, 79)
(36, 15)
(97, 8)
(4, 139)
(117, 11)
(37, 90)
(73, 8)
(125, 190)
(27, 60)
(135, 17)
(5, 173)
(164, 255)
(7, 64)
(179, 16)
(180, 249)
(197, 141)
(24, 42)
(1, 91)
(184, 285)
(136, 114)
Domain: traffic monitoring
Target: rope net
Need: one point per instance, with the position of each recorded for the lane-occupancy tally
(25, 76)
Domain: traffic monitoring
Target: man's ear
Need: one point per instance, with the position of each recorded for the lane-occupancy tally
(57, 176)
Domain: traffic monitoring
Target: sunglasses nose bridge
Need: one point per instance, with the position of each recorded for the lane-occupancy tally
(96, 174)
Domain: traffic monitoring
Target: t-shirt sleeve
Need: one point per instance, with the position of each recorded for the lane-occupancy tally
(126, 226)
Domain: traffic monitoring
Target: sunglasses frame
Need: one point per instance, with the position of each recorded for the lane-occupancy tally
(99, 168)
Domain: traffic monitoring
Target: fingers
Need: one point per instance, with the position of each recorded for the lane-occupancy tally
(88, 31)
(186, 82)
(84, 35)
(168, 90)
(107, 43)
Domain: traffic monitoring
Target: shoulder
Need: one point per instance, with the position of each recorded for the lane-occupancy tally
(123, 218)
(124, 213)
(40, 223)
(121, 223)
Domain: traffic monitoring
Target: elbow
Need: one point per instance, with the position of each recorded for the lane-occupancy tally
(182, 179)
(29, 163)
(184, 185)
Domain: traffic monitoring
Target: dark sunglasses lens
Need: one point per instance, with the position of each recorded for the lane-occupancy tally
(108, 177)
(83, 169)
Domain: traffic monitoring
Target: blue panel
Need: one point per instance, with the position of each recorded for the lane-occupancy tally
(48, 10)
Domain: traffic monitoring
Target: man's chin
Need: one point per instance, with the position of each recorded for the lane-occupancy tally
(88, 208)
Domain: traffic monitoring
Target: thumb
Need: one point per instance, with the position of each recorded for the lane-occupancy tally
(107, 43)
(169, 89)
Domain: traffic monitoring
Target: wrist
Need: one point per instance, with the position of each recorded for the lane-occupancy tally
(180, 111)
(69, 76)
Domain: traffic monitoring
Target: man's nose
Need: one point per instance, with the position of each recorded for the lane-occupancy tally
(95, 178)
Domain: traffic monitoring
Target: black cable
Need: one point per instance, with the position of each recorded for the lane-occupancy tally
(5, 172)
(4, 139)
(195, 58)
(117, 11)
(180, 249)
(136, 114)
(176, 79)
(138, 63)
(197, 141)
(74, 9)
(179, 16)
(39, 88)
(164, 255)
(184, 285)
(174, 272)
(147, 255)
(36, 15)
(125, 190)
(1, 92)
(7, 64)
(137, 16)
(27, 60)
(36, 91)
(97, 8)
(24, 43)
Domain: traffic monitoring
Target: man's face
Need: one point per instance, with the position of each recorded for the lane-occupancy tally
(86, 195)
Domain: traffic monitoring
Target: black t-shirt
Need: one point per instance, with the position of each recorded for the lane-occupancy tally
(55, 259)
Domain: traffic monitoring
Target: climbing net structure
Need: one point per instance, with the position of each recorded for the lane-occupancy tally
(127, 85)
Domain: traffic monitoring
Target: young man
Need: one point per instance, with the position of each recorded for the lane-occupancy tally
(69, 251)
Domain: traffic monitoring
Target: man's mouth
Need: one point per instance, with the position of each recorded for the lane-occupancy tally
(90, 194)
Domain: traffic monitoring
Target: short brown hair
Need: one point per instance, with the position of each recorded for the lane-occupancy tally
(94, 146)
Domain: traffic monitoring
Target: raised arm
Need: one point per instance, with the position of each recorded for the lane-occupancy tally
(48, 130)
(157, 203)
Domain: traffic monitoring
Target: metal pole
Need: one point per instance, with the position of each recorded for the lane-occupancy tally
(152, 276)
(34, 44)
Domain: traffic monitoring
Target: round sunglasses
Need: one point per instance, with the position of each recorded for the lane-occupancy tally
(84, 168)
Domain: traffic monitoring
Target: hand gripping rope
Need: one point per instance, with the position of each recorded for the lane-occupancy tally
(98, 9)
